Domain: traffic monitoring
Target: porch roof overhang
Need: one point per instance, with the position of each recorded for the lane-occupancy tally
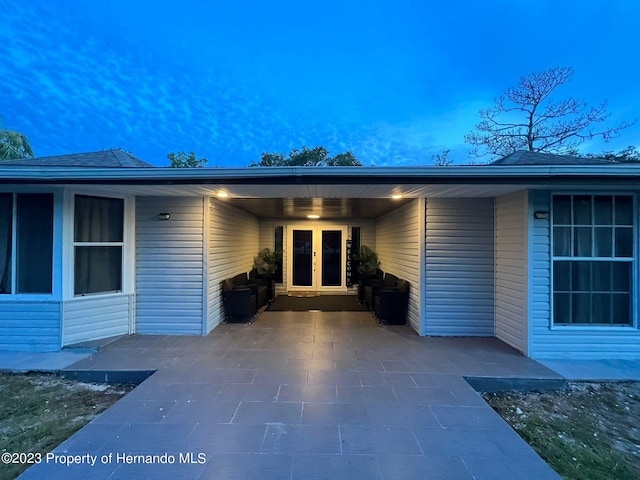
(333, 192)
(454, 174)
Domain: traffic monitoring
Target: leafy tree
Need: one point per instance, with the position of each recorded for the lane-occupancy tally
(307, 157)
(626, 155)
(525, 117)
(186, 160)
(347, 159)
(14, 145)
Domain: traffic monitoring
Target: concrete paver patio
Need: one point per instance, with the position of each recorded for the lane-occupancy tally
(305, 395)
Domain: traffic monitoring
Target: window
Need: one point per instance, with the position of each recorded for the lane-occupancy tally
(278, 244)
(98, 244)
(26, 242)
(593, 259)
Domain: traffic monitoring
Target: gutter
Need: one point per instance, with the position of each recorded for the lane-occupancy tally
(494, 174)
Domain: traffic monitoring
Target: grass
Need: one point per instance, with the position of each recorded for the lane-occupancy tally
(591, 431)
(38, 412)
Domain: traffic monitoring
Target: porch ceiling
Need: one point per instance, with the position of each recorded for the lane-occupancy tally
(325, 208)
(328, 201)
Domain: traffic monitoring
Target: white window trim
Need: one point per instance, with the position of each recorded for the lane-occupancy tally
(603, 327)
(128, 245)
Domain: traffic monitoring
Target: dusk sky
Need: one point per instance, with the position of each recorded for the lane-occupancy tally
(393, 81)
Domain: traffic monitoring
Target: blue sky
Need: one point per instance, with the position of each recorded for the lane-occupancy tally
(393, 81)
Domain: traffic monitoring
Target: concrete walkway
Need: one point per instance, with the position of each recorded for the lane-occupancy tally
(304, 395)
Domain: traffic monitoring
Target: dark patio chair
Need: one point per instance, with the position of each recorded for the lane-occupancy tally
(390, 304)
(239, 302)
(371, 290)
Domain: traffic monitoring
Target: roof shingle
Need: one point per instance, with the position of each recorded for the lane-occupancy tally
(113, 158)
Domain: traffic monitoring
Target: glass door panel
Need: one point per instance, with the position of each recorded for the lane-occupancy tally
(331, 258)
(302, 258)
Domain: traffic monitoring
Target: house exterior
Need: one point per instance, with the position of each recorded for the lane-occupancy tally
(540, 251)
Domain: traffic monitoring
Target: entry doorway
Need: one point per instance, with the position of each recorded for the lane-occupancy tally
(317, 258)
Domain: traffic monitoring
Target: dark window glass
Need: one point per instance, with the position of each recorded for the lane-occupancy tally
(621, 308)
(581, 276)
(601, 308)
(601, 272)
(562, 209)
(582, 241)
(562, 241)
(621, 276)
(302, 257)
(6, 228)
(34, 243)
(561, 308)
(582, 210)
(596, 291)
(624, 242)
(624, 210)
(562, 276)
(278, 246)
(99, 219)
(581, 308)
(602, 242)
(331, 258)
(98, 269)
(602, 208)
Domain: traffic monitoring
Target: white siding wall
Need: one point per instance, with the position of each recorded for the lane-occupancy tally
(30, 326)
(459, 267)
(233, 242)
(566, 342)
(511, 213)
(169, 266)
(398, 247)
(91, 318)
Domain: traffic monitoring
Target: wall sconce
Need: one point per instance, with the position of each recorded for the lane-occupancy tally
(541, 215)
(164, 216)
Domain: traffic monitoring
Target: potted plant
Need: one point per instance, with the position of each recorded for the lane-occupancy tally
(266, 262)
(368, 261)
(368, 264)
(265, 265)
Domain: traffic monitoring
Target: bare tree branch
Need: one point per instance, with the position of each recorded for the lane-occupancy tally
(557, 126)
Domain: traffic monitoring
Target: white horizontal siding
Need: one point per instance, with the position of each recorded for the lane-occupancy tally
(566, 342)
(234, 240)
(92, 318)
(459, 267)
(30, 326)
(398, 247)
(169, 265)
(511, 269)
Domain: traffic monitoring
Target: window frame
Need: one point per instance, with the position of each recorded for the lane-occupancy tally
(15, 296)
(127, 245)
(632, 260)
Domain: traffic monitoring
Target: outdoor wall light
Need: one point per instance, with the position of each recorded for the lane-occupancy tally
(164, 216)
(313, 217)
(222, 194)
(396, 196)
(541, 215)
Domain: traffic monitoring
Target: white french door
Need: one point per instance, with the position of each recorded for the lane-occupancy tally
(317, 258)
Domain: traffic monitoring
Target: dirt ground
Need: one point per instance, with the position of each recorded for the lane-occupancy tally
(589, 431)
(38, 412)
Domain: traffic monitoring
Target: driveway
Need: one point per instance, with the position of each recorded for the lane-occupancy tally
(303, 395)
